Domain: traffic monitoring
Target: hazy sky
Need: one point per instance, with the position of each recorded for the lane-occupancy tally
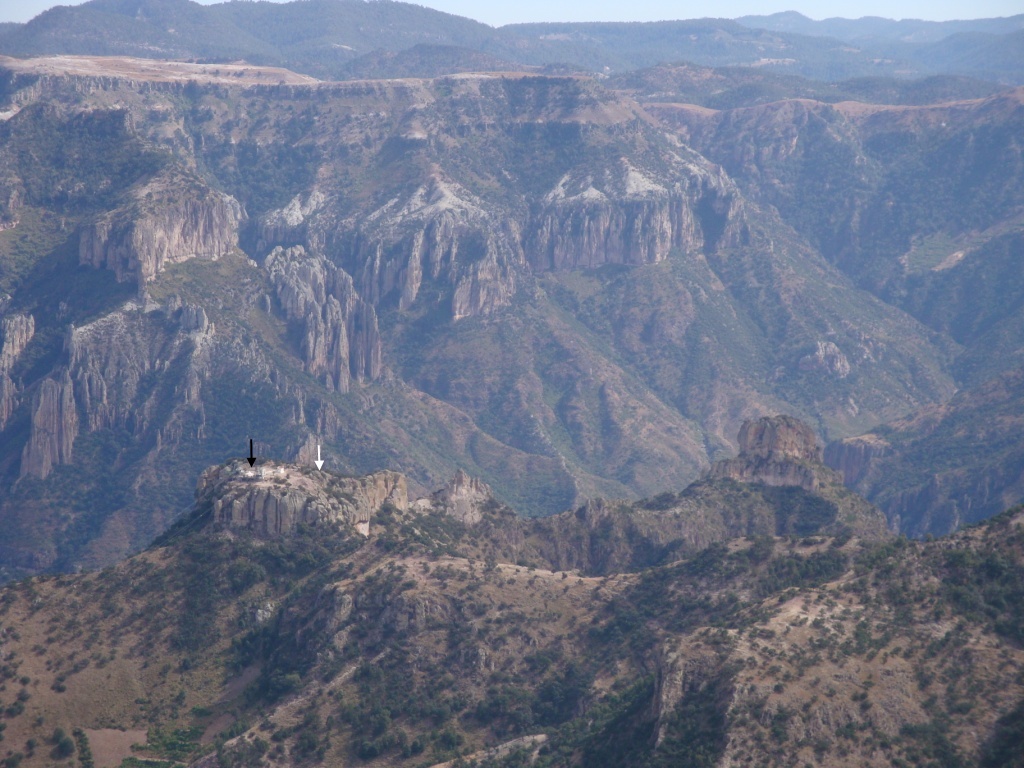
(498, 12)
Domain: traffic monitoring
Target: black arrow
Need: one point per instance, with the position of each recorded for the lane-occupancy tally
(252, 459)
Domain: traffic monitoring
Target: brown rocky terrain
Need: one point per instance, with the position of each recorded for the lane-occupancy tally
(241, 643)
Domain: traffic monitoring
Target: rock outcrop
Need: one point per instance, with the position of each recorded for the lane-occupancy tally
(15, 333)
(683, 669)
(288, 226)
(111, 358)
(171, 220)
(440, 233)
(463, 498)
(775, 450)
(273, 498)
(8, 398)
(54, 426)
(340, 339)
(855, 457)
(827, 358)
(627, 216)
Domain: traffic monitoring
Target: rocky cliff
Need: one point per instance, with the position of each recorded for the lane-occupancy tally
(439, 233)
(466, 499)
(172, 219)
(15, 333)
(775, 450)
(527, 276)
(855, 457)
(340, 341)
(625, 215)
(272, 499)
(777, 486)
(942, 467)
(54, 426)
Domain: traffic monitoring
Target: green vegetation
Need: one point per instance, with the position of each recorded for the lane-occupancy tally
(177, 745)
(987, 587)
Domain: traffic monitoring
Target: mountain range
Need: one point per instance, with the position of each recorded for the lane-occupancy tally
(323, 37)
(382, 388)
(764, 615)
(569, 284)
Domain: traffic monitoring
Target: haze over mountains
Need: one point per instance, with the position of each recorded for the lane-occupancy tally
(569, 285)
(321, 37)
(629, 349)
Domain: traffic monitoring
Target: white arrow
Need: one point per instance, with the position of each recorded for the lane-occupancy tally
(319, 462)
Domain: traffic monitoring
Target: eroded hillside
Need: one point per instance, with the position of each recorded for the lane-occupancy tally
(418, 640)
(524, 275)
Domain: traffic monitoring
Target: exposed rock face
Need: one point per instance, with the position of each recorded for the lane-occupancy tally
(8, 398)
(924, 487)
(287, 226)
(340, 338)
(441, 233)
(172, 220)
(110, 358)
(193, 319)
(626, 217)
(54, 427)
(444, 233)
(682, 670)
(778, 437)
(855, 456)
(15, 333)
(829, 359)
(463, 498)
(273, 498)
(775, 450)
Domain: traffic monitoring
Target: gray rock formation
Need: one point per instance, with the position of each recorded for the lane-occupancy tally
(626, 216)
(463, 498)
(288, 226)
(340, 338)
(8, 398)
(193, 319)
(273, 498)
(682, 669)
(110, 358)
(775, 450)
(172, 220)
(440, 233)
(54, 427)
(15, 333)
(855, 457)
(827, 358)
